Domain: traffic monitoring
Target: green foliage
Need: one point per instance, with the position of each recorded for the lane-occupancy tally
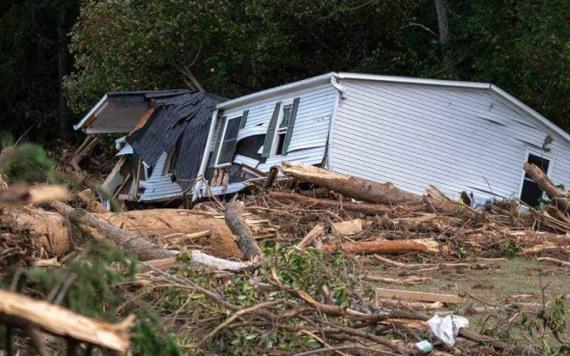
(554, 317)
(26, 162)
(329, 279)
(97, 278)
(512, 248)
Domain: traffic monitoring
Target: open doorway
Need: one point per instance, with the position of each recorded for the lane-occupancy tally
(531, 194)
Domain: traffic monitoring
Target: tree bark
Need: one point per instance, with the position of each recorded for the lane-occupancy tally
(559, 197)
(363, 208)
(63, 70)
(142, 248)
(443, 27)
(25, 312)
(349, 186)
(239, 227)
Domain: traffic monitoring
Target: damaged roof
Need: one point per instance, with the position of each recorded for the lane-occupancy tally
(180, 120)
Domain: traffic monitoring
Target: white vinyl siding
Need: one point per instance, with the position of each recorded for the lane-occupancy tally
(310, 132)
(456, 139)
(160, 186)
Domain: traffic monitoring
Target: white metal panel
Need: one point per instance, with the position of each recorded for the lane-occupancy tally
(457, 139)
(159, 186)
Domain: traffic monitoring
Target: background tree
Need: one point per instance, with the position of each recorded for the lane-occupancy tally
(232, 48)
(33, 61)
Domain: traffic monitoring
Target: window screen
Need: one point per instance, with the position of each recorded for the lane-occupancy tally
(531, 193)
(228, 146)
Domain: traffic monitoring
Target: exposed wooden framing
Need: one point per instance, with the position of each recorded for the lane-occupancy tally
(137, 181)
(116, 170)
(143, 120)
(86, 146)
(125, 181)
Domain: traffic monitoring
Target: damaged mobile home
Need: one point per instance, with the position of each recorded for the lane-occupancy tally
(458, 136)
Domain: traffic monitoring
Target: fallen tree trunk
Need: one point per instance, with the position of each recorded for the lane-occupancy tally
(22, 194)
(388, 247)
(160, 224)
(349, 186)
(363, 208)
(239, 227)
(530, 242)
(142, 248)
(25, 312)
(559, 196)
(45, 230)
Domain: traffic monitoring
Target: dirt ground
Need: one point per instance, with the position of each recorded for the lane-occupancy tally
(517, 280)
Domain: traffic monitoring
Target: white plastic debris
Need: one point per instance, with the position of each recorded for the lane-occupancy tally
(424, 346)
(447, 328)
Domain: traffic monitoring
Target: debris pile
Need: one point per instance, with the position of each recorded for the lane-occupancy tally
(286, 266)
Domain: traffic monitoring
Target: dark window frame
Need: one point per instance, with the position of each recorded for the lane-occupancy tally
(281, 130)
(224, 140)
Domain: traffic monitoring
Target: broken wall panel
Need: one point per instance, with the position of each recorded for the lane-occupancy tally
(308, 136)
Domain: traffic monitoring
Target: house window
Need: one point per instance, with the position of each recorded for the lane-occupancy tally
(531, 193)
(282, 129)
(228, 146)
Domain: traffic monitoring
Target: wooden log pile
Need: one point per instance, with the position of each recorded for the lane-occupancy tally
(354, 217)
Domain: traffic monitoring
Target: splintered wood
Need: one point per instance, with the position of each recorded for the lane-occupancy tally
(25, 312)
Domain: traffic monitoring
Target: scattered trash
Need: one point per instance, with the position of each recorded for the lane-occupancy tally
(424, 346)
(447, 328)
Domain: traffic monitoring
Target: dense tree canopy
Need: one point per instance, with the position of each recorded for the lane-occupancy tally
(235, 47)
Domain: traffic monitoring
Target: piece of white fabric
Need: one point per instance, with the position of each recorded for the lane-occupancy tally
(447, 328)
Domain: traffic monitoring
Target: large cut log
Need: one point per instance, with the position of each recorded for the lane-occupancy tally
(559, 196)
(159, 225)
(239, 227)
(25, 312)
(349, 186)
(50, 231)
(388, 247)
(142, 248)
(44, 230)
(22, 194)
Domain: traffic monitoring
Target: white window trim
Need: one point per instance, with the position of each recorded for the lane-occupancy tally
(529, 152)
(276, 133)
(217, 165)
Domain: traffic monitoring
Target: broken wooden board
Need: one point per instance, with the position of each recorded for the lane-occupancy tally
(418, 296)
(348, 228)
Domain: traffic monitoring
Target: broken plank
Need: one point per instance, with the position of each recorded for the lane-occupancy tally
(308, 239)
(391, 247)
(418, 296)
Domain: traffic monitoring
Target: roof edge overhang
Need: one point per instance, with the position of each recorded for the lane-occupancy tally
(280, 90)
(411, 80)
(528, 110)
(91, 113)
